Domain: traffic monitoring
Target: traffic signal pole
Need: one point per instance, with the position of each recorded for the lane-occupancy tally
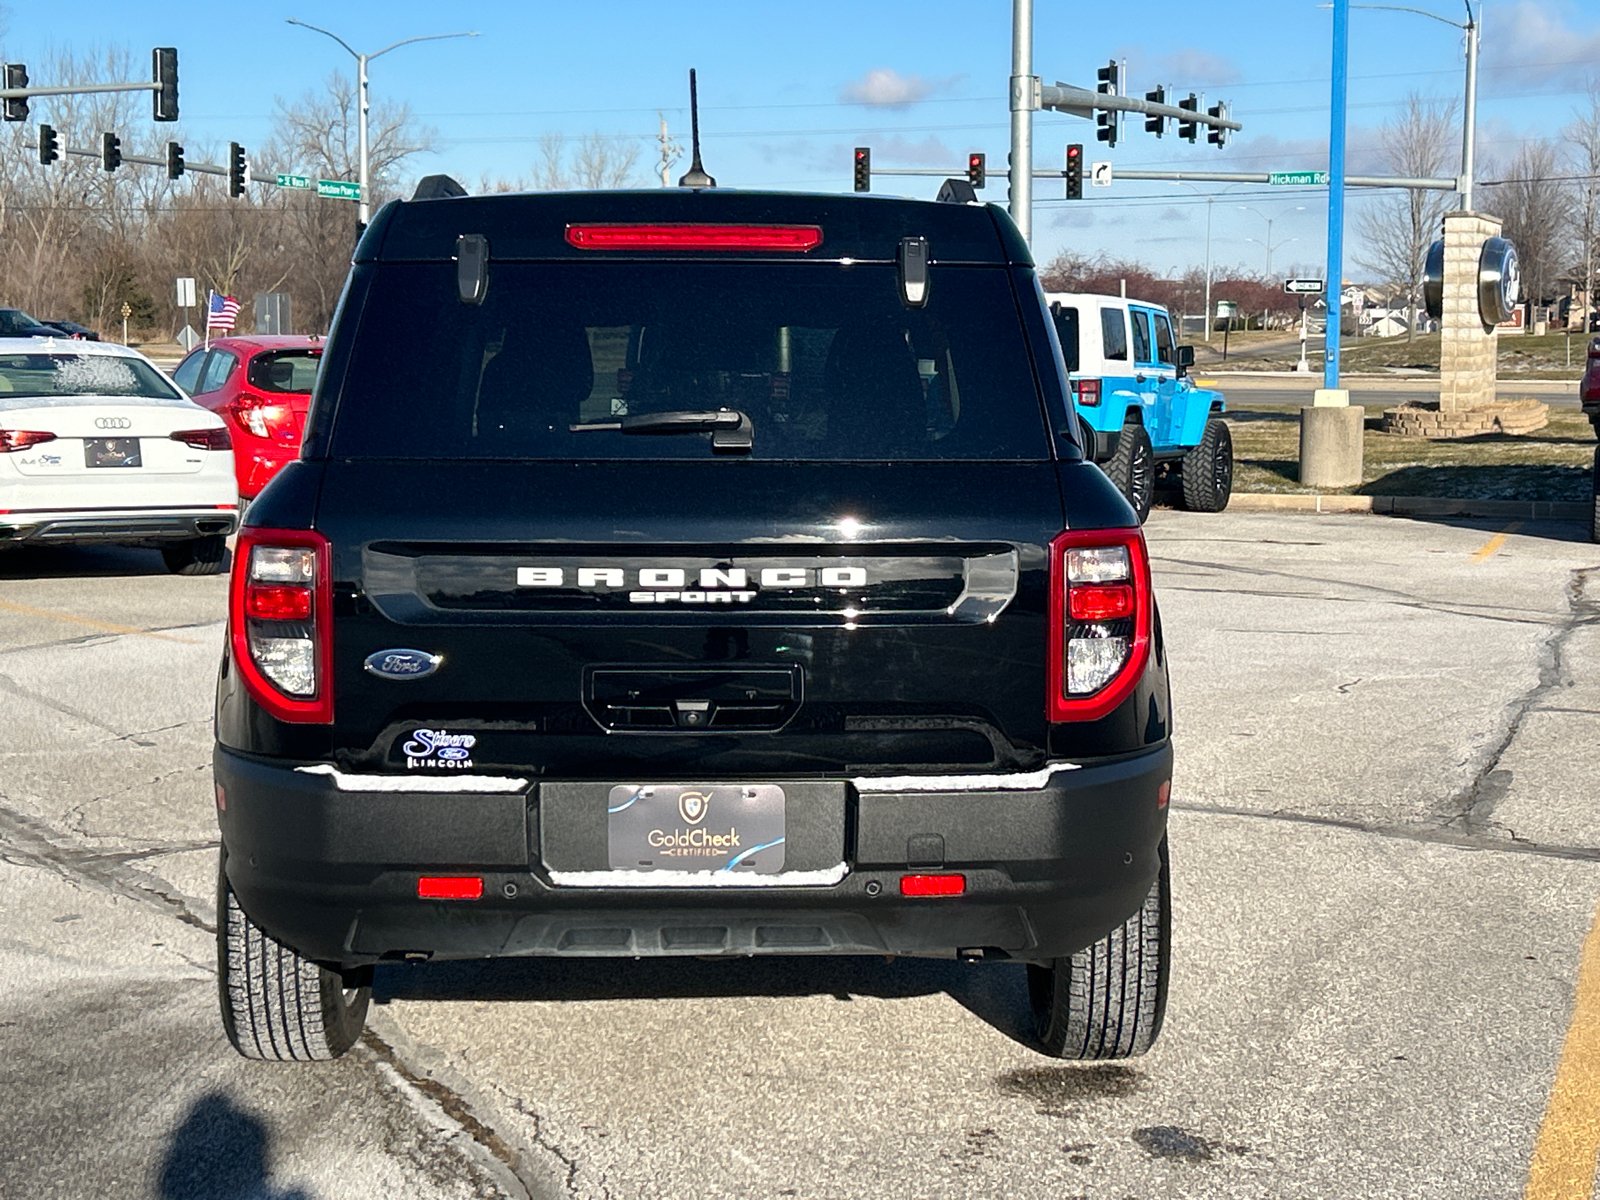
(1023, 90)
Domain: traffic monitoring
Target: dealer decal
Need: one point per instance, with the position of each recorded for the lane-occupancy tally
(439, 749)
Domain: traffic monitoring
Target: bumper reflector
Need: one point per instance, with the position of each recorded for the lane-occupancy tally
(450, 887)
(932, 885)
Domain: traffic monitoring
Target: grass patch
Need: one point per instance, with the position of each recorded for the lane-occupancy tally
(1552, 464)
(1521, 356)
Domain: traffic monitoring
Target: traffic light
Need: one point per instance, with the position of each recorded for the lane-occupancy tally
(174, 160)
(1217, 136)
(1074, 172)
(975, 170)
(164, 70)
(1108, 120)
(236, 170)
(1154, 124)
(110, 151)
(863, 169)
(1189, 129)
(16, 77)
(49, 145)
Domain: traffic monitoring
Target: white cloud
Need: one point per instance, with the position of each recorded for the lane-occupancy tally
(1188, 68)
(885, 87)
(1538, 43)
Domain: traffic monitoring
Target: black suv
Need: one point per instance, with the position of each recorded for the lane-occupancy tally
(691, 573)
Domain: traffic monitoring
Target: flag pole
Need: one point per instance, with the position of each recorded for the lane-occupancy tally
(209, 293)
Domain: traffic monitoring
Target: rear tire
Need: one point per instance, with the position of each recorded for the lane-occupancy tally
(1133, 469)
(1207, 470)
(197, 556)
(1594, 508)
(278, 1006)
(1108, 1000)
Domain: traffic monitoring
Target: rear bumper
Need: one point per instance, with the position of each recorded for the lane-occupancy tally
(333, 872)
(116, 524)
(258, 462)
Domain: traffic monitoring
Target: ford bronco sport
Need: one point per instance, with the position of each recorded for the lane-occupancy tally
(691, 572)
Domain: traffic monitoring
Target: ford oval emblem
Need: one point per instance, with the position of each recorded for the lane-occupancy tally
(402, 664)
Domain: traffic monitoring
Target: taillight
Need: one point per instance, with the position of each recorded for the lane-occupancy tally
(280, 610)
(204, 439)
(21, 439)
(1100, 619)
(265, 418)
(1086, 392)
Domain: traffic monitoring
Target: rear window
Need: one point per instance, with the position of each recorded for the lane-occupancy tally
(825, 359)
(285, 370)
(81, 375)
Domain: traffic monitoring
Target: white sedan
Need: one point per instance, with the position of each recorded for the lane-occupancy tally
(96, 445)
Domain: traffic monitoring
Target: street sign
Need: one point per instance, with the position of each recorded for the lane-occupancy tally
(1227, 308)
(299, 182)
(1298, 178)
(185, 293)
(1303, 287)
(338, 189)
(1100, 174)
(187, 338)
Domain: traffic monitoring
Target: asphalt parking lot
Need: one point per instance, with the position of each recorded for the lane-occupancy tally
(1386, 863)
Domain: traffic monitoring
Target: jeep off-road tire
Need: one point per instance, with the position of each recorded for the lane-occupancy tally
(196, 556)
(276, 1005)
(1108, 1000)
(1133, 469)
(1207, 470)
(1594, 505)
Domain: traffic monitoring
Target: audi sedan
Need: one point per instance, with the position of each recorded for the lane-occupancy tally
(97, 446)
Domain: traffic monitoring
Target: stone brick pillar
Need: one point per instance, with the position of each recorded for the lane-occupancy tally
(1468, 349)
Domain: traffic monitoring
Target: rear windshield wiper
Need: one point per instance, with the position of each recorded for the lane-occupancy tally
(730, 429)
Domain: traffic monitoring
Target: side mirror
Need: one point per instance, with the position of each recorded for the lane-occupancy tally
(1183, 359)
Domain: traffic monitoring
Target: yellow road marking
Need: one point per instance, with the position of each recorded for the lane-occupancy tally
(1492, 547)
(91, 622)
(1565, 1155)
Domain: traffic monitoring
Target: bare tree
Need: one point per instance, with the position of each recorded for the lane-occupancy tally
(596, 161)
(1533, 205)
(1398, 229)
(1583, 139)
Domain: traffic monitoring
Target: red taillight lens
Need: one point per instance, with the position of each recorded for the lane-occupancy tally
(1100, 621)
(280, 622)
(204, 439)
(450, 887)
(277, 603)
(932, 885)
(21, 439)
(1086, 392)
(795, 238)
(266, 418)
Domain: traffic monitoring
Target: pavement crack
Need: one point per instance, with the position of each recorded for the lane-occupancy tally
(27, 841)
(1472, 808)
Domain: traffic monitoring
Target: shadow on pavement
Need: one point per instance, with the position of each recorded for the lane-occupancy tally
(996, 993)
(219, 1153)
(68, 562)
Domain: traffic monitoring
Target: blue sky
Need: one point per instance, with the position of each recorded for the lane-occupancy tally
(787, 89)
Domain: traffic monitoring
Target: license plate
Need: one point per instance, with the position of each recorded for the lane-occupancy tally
(696, 827)
(111, 452)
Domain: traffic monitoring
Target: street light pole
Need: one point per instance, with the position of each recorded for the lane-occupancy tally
(1469, 117)
(364, 101)
(1022, 106)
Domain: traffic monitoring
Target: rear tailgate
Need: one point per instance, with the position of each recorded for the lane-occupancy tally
(603, 620)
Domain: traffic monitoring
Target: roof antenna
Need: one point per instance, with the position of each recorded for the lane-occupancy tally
(696, 176)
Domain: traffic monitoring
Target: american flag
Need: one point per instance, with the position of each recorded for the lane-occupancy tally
(221, 312)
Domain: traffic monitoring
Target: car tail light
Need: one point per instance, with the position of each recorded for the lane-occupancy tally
(695, 237)
(21, 439)
(1086, 392)
(265, 418)
(280, 616)
(450, 887)
(204, 439)
(1100, 620)
(933, 885)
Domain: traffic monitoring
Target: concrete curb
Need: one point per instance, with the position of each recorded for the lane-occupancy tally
(1422, 384)
(1410, 506)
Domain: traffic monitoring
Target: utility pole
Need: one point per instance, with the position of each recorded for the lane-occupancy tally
(1469, 115)
(364, 101)
(1336, 139)
(1023, 102)
(670, 152)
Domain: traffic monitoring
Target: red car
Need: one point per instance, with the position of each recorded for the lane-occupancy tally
(261, 386)
(1589, 387)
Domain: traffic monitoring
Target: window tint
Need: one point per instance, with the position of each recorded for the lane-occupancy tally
(16, 323)
(826, 361)
(187, 376)
(285, 370)
(1141, 336)
(1163, 339)
(81, 375)
(218, 367)
(1114, 333)
(1067, 331)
